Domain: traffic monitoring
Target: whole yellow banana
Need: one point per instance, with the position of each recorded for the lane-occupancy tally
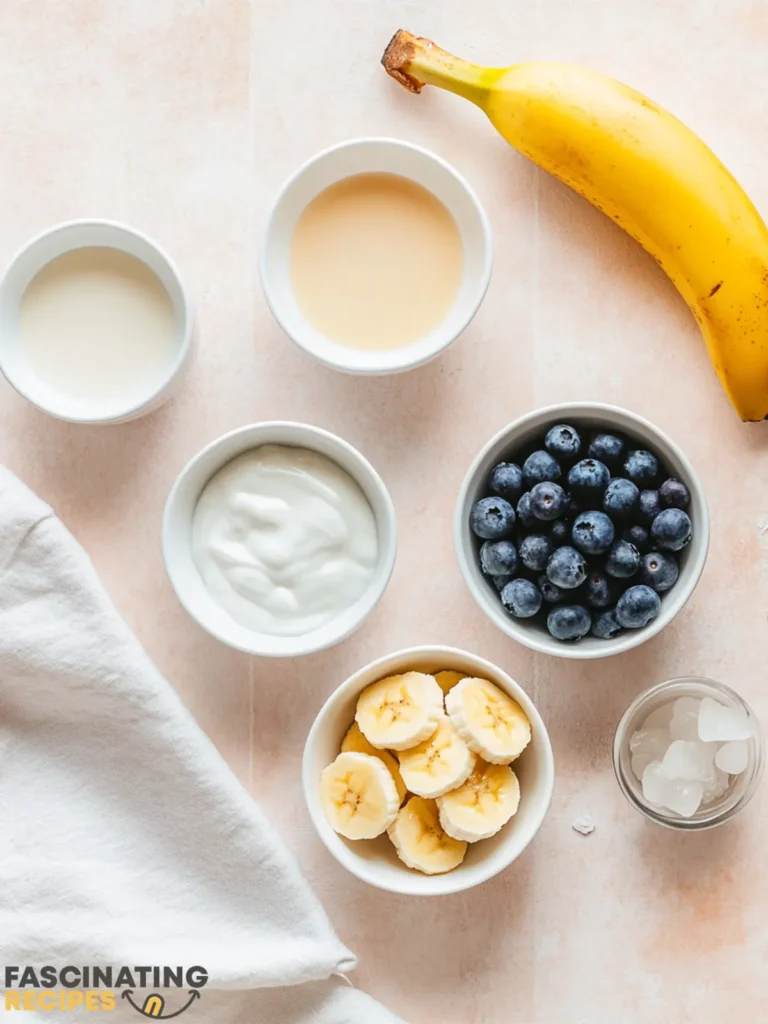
(645, 170)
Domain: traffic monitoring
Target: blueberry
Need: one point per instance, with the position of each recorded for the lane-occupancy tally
(642, 467)
(563, 441)
(671, 529)
(621, 498)
(592, 533)
(659, 571)
(521, 598)
(606, 626)
(606, 448)
(569, 622)
(498, 558)
(539, 467)
(535, 551)
(548, 501)
(597, 590)
(674, 494)
(639, 536)
(560, 532)
(649, 506)
(589, 477)
(566, 568)
(551, 593)
(637, 607)
(623, 560)
(524, 514)
(492, 518)
(500, 581)
(507, 480)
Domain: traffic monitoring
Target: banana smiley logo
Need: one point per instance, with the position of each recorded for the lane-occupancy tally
(154, 1005)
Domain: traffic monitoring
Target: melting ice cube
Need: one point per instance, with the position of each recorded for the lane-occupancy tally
(718, 723)
(733, 757)
(715, 785)
(684, 798)
(649, 741)
(655, 784)
(685, 717)
(690, 760)
(640, 762)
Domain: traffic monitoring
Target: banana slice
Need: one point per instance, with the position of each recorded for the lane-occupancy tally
(355, 742)
(483, 805)
(420, 841)
(447, 680)
(489, 721)
(399, 712)
(358, 796)
(439, 764)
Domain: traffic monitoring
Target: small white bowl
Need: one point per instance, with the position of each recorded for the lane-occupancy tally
(29, 261)
(357, 157)
(375, 861)
(177, 537)
(505, 446)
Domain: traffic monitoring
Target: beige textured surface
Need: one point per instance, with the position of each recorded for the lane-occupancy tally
(182, 117)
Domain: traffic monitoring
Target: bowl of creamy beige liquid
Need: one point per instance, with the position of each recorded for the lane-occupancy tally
(376, 256)
(95, 325)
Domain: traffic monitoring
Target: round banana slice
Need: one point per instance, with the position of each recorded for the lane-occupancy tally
(355, 741)
(447, 680)
(439, 764)
(399, 712)
(488, 720)
(421, 842)
(483, 805)
(358, 796)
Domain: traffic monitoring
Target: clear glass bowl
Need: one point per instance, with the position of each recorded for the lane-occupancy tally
(742, 787)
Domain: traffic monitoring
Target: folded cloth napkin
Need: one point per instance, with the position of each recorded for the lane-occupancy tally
(124, 838)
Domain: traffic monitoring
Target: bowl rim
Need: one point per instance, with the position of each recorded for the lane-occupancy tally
(332, 354)
(186, 335)
(257, 431)
(541, 643)
(452, 881)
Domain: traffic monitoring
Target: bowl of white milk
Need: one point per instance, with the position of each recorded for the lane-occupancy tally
(95, 324)
(279, 539)
(376, 256)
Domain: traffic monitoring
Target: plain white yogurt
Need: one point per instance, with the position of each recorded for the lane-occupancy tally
(284, 540)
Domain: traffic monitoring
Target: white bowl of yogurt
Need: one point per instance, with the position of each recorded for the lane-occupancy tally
(279, 539)
(376, 256)
(95, 323)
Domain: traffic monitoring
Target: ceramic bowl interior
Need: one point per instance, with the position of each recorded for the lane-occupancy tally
(177, 537)
(375, 861)
(358, 157)
(29, 261)
(514, 443)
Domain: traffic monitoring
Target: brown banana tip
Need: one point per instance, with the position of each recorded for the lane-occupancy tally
(398, 55)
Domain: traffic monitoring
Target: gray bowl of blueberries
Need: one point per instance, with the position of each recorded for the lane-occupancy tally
(581, 530)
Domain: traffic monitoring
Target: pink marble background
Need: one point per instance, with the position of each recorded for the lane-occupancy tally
(182, 117)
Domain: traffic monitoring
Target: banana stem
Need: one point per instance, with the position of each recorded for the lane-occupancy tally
(415, 62)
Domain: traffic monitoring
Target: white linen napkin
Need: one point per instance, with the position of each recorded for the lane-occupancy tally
(124, 837)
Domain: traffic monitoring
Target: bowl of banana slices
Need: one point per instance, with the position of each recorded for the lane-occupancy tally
(428, 771)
